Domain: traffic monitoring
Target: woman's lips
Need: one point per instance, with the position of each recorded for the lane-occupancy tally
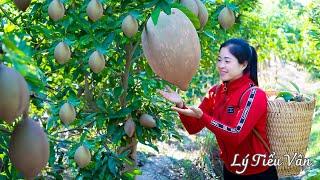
(223, 72)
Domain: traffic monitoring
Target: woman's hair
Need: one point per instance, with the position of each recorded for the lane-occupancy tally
(240, 49)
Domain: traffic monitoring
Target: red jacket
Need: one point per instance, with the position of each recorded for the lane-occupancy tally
(232, 123)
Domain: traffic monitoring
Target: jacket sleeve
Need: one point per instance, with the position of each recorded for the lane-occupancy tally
(193, 125)
(252, 108)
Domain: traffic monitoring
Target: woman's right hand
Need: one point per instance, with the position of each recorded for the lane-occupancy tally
(172, 96)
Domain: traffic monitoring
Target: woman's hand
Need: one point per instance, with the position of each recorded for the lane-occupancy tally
(172, 96)
(191, 111)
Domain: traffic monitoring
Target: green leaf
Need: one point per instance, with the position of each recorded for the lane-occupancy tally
(295, 86)
(165, 7)
(193, 18)
(155, 15)
(150, 4)
(112, 166)
(287, 96)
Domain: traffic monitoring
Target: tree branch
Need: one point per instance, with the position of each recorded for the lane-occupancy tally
(8, 17)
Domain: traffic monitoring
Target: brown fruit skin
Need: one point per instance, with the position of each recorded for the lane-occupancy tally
(67, 113)
(14, 94)
(203, 13)
(29, 148)
(226, 18)
(82, 156)
(129, 127)
(94, 10)
(147, 121)
(129, 26)
(172, 48)
(96, 62)
(22, 4)
(56, 10)
(191, 5)
(62, 53)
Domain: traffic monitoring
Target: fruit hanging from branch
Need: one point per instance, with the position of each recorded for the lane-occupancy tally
(191, 5)
(96, 62)
(198, 9)
(172, 47)
(14, 94)
(226, 18)
(129, 127)
(29, 148)
(129, 26)
(147, 121)
(82, 156)
(94, 10)
(22, 4)
(56, 10)
(62, 53)
(67, 113)
(203, 13)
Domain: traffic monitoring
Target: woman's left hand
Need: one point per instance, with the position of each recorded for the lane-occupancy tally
(191, 111)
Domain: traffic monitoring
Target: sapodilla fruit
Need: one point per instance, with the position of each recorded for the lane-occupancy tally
(129, 127)
(22, 4)
(147, 121)
(62, 53)
(67, 113)
(96, 62)
(82, 156)
(226, 18)
(203, 13)
(14, 94)
(191, 5)
(94, 10)
(56, 10)
(172, 48)
(129, 26)
(29, 148)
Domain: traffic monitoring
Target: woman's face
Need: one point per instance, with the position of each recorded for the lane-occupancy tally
(228, 66)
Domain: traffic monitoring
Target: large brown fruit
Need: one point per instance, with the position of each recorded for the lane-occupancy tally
(56, 10)
(226, 18)
(67, 113)
(191, 5)
(82, 156)
(129, 127)
(62, 53)
(22, 4)
(172, 48)
(203, 13)
(129, 26)
(14, 94)
(96, 62)
(29, 148)
(94, 10)
(147, 121)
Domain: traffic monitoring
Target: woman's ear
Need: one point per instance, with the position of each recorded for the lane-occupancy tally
(244, 65)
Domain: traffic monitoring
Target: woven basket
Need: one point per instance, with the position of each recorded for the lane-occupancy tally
(288, 130)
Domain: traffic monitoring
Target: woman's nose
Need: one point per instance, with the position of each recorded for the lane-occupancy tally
(220, 64)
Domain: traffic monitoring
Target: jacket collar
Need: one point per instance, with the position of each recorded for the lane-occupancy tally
(244, 80)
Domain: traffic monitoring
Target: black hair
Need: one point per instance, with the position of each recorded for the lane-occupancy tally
(241, 49)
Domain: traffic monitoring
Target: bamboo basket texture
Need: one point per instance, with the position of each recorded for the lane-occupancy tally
(288, 130)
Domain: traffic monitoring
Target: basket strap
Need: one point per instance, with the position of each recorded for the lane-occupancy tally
(254, 130)
(261, 139)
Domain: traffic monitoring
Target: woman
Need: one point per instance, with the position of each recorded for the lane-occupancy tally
(233, 110)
